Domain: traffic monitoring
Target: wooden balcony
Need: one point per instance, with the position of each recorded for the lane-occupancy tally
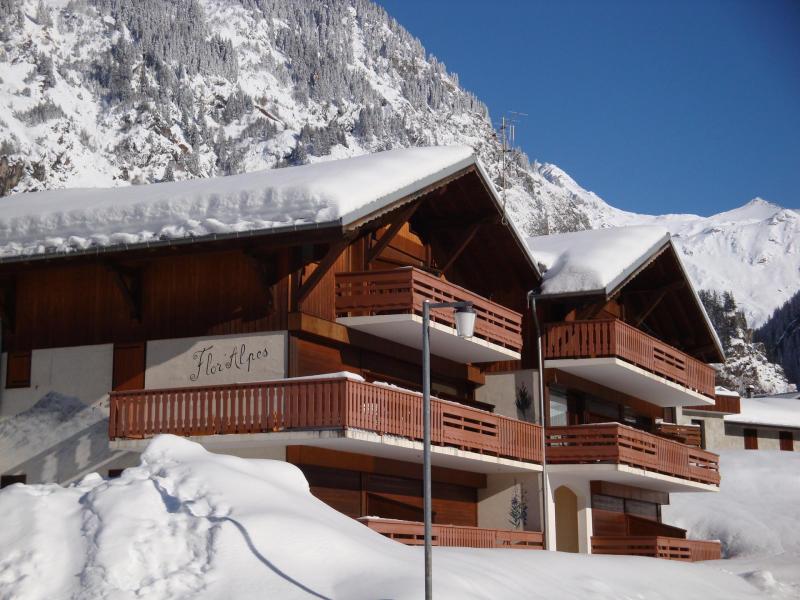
(729, 405)
(657, 546)
(402, 292)
(620, 444)
(685, 434)
(614, 338)
(317, 404)
(412, 533)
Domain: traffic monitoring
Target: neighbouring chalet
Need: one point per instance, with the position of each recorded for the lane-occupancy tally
(752, 423)
(277, 315)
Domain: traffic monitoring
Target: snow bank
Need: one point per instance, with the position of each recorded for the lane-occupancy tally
(756, 516)
(594, 260)
(190, 524)
(326, 192)
(778, 412)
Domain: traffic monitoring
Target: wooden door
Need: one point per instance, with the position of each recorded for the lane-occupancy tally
(129, 365)
(787, 440)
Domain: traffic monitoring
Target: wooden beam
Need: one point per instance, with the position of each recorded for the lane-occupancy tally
(389, 234)
(653, 305)
(129, 282)
(468, 237)
(334, 252)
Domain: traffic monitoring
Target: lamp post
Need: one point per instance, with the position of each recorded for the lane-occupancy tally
(465, 326)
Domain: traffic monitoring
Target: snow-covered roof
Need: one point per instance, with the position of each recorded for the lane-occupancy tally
(339, 192)
(723, 391)
(595, 260)
(771, 411)
(598, 261)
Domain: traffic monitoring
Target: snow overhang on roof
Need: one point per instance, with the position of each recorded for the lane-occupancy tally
(595, 261)
(341, 193)
(600, 261)
(768, 411)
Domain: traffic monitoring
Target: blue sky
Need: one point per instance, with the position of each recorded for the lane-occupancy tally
(658, 107)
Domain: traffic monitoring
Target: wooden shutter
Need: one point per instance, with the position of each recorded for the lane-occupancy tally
(128, 366)
(18, 370)
(787, 440)
(751, 439)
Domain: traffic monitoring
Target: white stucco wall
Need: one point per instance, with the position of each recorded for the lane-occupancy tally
(714, 427)
(82, 372)
(501, 390)
(494, 501)
(216, 360)
(768, 437)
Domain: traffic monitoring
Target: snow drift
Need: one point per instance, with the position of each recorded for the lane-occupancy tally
(191, 524)
(756, 516)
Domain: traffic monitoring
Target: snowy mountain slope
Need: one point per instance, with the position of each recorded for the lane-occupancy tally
(753, 251)
(106, 92)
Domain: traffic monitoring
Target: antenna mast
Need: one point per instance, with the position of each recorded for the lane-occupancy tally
(508, 128)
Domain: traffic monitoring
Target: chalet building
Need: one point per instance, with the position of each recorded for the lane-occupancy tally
(278, 315)
(625, 345)
(753, 423)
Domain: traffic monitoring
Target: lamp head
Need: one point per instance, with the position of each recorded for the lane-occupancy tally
(465, 321)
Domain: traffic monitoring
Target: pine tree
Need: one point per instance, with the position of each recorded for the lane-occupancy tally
(169, 173)
(43, 16)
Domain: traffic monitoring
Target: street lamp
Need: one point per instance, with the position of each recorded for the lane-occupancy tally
(465, 327)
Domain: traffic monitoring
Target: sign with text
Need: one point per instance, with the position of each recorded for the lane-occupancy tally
(215, 360)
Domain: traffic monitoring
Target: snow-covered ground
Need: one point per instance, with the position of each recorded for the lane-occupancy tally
(190, 524)
(756, 515)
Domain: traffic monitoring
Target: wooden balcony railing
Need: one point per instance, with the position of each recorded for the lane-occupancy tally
(621, 444)
(403, 291)
(685, 434)
(412, 534)
(657, 547)
(723, 404)
(612, 337)
(307, 404)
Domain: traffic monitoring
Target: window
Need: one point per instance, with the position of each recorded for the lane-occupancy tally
(648, 510)
(701, 423)
(114, 473)
(18, 370)
(603, 502)
(787, 440)
(6, 480)
(751, 439)
(558, 407)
